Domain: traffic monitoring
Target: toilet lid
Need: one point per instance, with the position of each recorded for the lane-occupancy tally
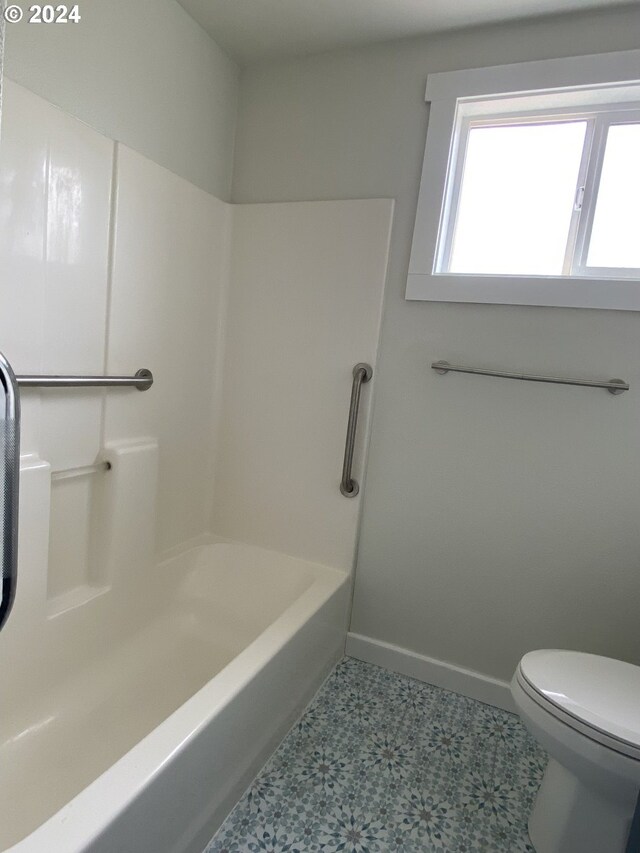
(602, 693)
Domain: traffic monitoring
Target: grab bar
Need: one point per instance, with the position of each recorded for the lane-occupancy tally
(348, 486)
(82, 471)
(10, 438)
(10, 456)
(143, 380)
(613, 386)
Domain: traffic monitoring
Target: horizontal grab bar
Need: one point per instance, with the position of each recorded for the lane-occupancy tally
(10, 458)
(143, 380)
(613, 386)
(82, 471)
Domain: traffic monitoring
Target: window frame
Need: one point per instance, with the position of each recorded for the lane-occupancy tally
(604, 90)
(603, 123)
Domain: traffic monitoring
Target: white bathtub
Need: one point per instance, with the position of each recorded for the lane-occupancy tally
(145, 748)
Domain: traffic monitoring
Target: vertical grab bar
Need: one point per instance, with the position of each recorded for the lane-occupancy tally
(348, 486)
(10, 462)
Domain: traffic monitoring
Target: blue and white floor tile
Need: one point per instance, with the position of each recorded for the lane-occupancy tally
(380, 762)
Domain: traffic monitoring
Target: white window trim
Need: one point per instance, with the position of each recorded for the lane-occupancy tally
(559, 80)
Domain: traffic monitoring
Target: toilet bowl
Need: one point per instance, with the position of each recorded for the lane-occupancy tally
(585, 711)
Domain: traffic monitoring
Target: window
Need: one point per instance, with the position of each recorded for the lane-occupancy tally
(546, 195)
(531, 194)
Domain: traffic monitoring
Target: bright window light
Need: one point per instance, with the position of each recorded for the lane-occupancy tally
(540, 195)
(615, 236)
(530, 186)
(517, 198)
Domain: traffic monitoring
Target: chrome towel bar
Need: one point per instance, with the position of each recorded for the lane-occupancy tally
(613, 386)
(143, 380)
(348, 486)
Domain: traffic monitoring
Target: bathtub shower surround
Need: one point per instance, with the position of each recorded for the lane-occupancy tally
(380, 762)
(134, 615)
(107, 259)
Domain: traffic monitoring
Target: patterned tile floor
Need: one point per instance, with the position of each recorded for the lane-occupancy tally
(380, 762)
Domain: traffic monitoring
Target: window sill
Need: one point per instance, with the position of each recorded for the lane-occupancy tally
(560, 292)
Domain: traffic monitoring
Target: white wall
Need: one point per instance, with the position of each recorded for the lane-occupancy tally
(499, 516)
(141, 72)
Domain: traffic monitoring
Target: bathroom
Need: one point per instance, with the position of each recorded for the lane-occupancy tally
(210, 645)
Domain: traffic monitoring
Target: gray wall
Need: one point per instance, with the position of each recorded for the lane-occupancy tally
(142, 72)
(499, 516)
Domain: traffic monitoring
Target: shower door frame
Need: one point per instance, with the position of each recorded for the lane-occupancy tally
(10, 476)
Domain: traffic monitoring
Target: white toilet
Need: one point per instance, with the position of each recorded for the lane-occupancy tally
(585, 711)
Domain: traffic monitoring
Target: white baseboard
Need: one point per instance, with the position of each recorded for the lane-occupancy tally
(437, 672)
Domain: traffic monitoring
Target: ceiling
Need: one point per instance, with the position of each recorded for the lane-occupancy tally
(252, 30)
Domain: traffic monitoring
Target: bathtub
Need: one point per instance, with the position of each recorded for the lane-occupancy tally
(147, 745)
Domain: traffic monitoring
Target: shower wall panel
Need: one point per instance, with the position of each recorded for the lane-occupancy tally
(108, 263)
(170, 266)
(55, 203)
(305, 304)
(55, 198)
